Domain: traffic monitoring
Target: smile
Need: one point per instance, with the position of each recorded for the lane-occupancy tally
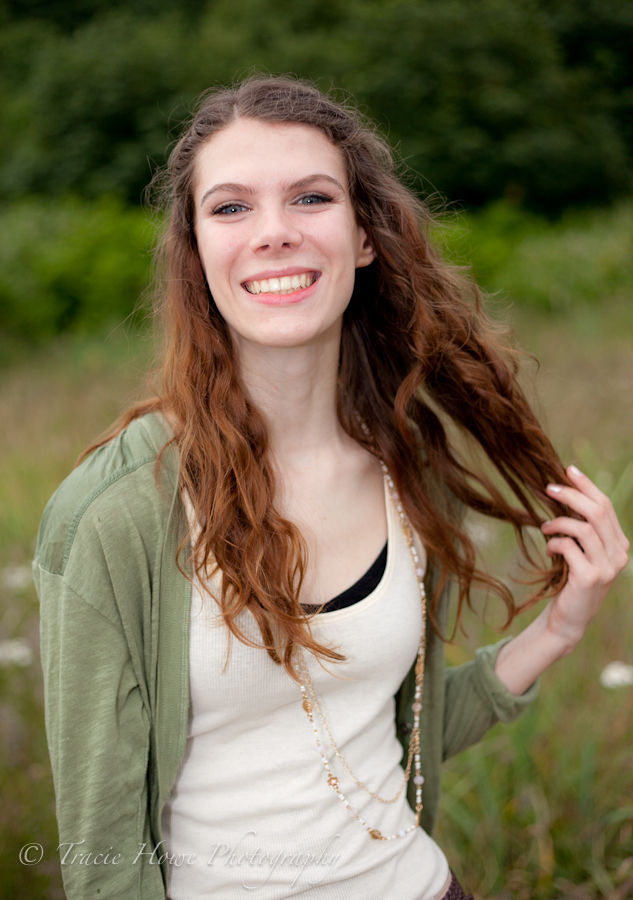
(286, 284)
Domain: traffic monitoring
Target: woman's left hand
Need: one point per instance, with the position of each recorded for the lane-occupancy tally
(595, 550)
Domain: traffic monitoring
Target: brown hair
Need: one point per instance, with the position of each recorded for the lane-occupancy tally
(416, 345)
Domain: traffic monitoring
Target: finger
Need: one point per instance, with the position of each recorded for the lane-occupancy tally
(577, 561)
(592, 511)
(586, 485)
(586, 575)
(584, 533)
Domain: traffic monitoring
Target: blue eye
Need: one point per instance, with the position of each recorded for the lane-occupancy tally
(310, 199)
(229, 209)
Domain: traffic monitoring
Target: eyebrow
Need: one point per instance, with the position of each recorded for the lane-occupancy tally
(232, 187)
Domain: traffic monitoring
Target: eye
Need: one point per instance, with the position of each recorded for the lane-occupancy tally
(313, 199)
(229, 209)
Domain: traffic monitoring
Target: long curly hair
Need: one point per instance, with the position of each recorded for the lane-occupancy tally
(418, 354)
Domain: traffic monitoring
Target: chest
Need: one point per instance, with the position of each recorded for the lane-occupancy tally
(379, 636)
(238, 686)
(343, 522)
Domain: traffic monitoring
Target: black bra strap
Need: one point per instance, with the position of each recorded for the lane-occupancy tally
(363, 587)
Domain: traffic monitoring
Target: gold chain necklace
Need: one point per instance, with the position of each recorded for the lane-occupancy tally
(414, 745)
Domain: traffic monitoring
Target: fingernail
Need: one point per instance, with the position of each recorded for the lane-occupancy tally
(549, 521)
(554, 488)
(574, 470)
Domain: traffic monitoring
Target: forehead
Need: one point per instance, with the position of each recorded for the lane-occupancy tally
(266, 154)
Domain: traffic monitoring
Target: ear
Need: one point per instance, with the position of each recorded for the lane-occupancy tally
(366, 253)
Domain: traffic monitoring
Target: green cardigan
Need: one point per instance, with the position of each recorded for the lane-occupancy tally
(114, 648)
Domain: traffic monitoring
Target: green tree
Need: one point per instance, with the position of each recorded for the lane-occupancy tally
(530, 99)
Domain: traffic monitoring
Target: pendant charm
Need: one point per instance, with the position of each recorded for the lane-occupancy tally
(377, 836)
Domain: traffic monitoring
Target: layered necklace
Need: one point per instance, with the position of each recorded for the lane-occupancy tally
(310, 702)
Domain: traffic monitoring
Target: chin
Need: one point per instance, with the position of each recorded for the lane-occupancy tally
(287, 341)
(278, 336)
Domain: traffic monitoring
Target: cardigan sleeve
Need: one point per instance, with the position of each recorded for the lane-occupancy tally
(98, 736)
(475, 699)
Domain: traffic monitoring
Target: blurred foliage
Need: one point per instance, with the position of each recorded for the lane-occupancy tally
(580, 259)
(75, 265)
(528, 99)
(68, 264)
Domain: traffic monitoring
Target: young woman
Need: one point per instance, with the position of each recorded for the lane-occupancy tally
(244, 588)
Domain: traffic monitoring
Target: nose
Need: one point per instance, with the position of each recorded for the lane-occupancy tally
(275, 231)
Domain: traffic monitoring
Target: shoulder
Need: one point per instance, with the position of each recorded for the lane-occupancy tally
(115, 489)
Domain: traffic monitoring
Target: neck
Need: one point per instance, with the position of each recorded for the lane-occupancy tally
(295, 390)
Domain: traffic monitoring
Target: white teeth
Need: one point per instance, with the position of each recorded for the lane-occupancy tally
(284, 285)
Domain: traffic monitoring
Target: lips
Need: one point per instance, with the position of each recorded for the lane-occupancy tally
(283, 284)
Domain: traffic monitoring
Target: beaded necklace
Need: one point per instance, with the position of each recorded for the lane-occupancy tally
(414, 745)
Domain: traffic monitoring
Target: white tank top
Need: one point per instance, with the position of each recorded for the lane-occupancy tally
(251, 812)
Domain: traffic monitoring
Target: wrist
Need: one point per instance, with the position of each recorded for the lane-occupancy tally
(562, 637)
(529, 654)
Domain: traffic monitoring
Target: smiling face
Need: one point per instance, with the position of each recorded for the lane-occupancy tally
(276, 232)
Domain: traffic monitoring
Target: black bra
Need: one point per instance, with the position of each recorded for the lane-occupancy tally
(363, 587)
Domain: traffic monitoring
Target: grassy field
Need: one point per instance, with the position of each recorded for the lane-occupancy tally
(540, 809)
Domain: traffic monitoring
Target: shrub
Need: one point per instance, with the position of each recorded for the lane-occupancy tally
(583, 258)
(70, 265)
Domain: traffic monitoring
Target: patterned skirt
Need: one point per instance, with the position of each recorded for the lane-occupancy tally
(455, 890)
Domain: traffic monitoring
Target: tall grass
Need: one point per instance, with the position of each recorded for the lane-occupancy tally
(539, 809)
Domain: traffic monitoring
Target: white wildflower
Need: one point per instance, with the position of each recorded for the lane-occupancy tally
(16, 652)
(616, 674)
(17, 578)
